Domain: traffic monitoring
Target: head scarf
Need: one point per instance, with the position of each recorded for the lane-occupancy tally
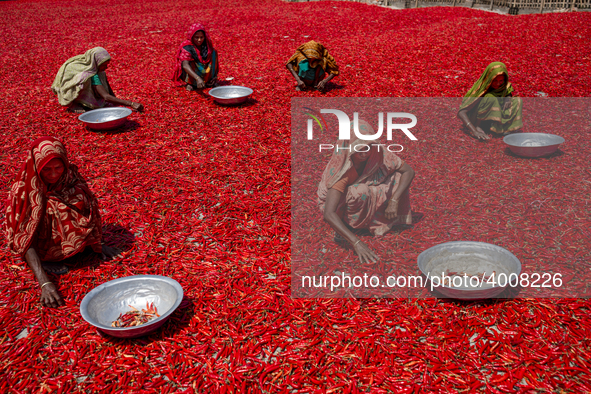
(204, 53)
(482, 86)
(73, 77)
(315, 50)
(378, 167)
(57, 221)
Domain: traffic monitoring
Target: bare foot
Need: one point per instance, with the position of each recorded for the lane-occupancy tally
(109, 253)
(189, 88)
(76, 109)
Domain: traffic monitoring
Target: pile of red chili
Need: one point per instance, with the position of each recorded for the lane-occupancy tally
(135, 317)
(201, 193)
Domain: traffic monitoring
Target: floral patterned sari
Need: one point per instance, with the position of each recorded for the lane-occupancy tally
(58, 221)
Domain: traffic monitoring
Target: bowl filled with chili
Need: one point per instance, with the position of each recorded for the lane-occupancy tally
(131, 306)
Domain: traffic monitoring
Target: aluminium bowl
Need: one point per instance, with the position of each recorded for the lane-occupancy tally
(533, 144)
(103, 304)
(230, 95)
(473, 258)
(105, 118)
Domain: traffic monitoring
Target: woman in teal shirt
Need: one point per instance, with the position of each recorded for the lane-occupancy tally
(312, 66)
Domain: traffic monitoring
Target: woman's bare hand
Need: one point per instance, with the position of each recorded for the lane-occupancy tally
(366, 255)
(392, 210)
(200, 84)
(301, 85)
(212, 83)
(110, 253)
(50, 297)
(479, 134)
(321, 85)
(137, 106)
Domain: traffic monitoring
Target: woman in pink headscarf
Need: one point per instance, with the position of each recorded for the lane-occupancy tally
(364, 187)
(196, 65)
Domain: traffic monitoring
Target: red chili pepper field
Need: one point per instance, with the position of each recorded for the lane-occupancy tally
(201, 193)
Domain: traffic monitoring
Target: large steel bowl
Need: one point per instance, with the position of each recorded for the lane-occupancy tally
(533, 144)
(471, 258)
(230, 95)
(102, 305)
(105, 118)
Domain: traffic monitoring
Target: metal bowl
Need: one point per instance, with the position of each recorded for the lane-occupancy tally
(102, 305)
(105, 118)
(474, 259)
(230, 95)
(533, 144)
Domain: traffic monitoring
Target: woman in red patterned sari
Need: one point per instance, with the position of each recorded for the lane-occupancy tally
(364, 187)
(51, 215)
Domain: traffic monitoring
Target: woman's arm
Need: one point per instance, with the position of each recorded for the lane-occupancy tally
(476, 131)
(408, 175)
(330, 216)
(301, 83)
(49, 294)
(187, 67)
(100, 89)
(322, 83)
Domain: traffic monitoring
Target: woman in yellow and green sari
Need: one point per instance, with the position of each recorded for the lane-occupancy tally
(489, 106)
(81, 83)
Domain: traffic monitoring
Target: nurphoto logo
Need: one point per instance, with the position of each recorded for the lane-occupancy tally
(345, 129)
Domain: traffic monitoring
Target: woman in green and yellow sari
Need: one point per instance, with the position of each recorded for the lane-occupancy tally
(81, 83)
(489, 106)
